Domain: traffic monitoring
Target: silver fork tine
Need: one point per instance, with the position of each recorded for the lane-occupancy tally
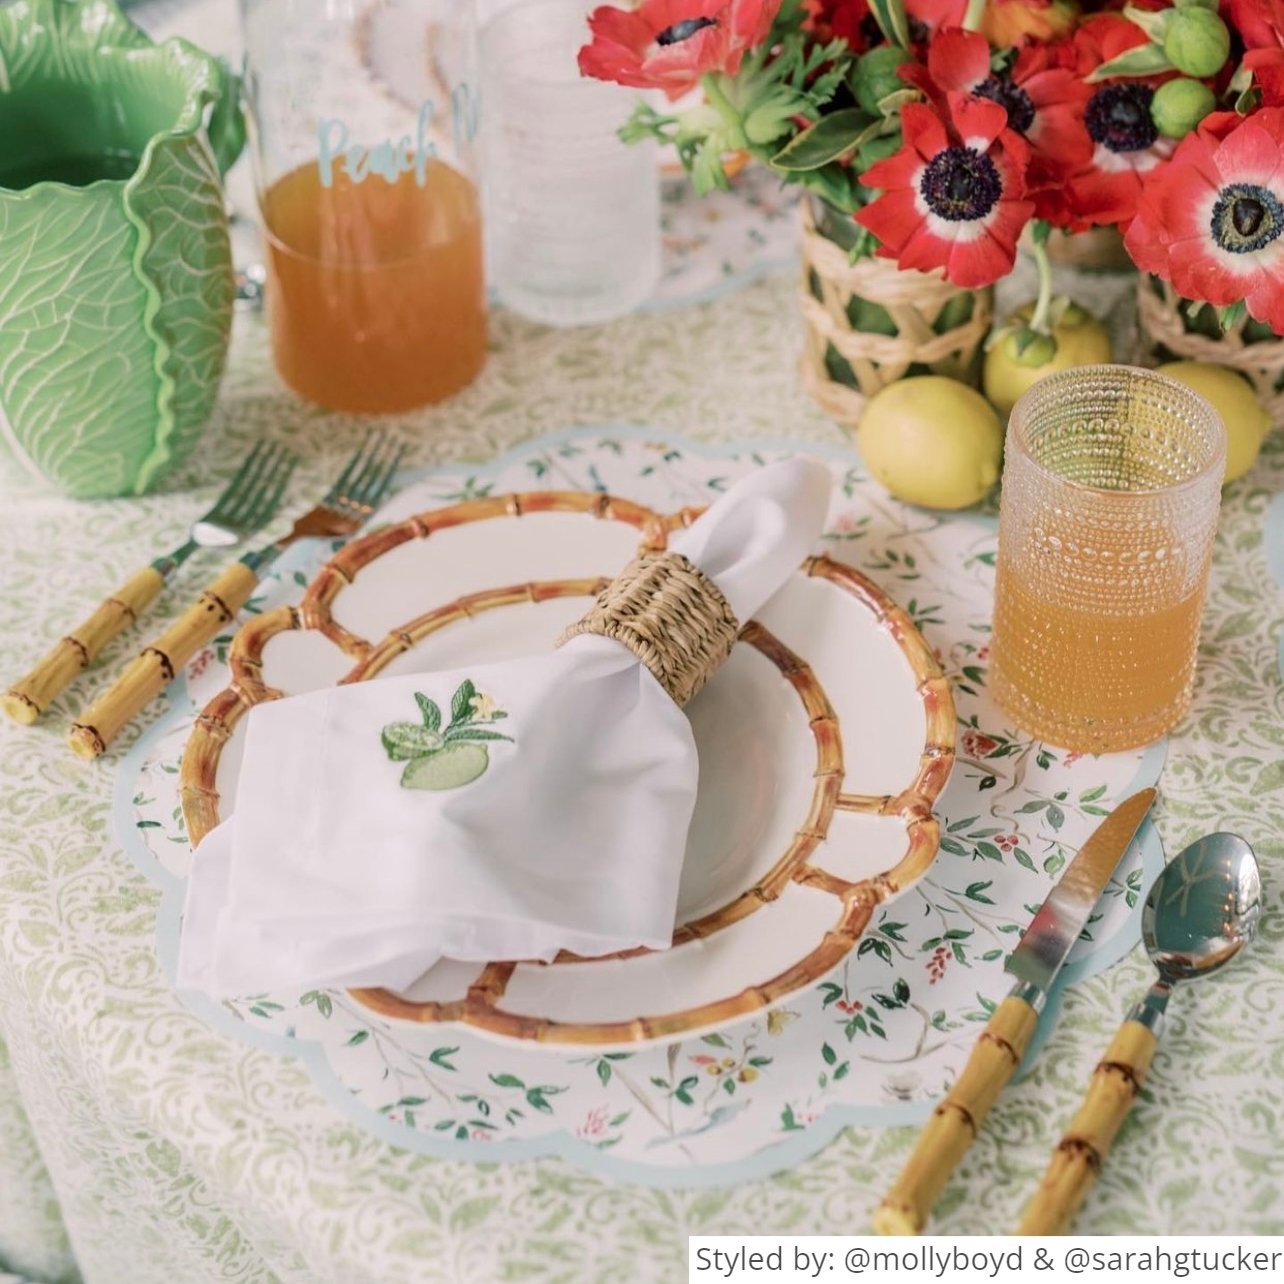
(239, 503)
(336, 491)
(358, 484)
(379, 485)
(263, 503)
(233, 487)
(273, 498)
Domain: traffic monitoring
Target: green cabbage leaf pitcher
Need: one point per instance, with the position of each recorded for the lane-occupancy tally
(116, 285)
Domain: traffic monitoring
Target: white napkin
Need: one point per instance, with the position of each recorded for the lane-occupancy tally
(556, 819)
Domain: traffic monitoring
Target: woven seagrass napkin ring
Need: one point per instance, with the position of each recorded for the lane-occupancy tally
(671, 615)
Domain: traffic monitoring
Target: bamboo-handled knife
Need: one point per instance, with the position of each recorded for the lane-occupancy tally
(1035, 962)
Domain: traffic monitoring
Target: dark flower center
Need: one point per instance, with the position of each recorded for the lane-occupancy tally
(960, 184)
(872, 33)
(684, 30)
(1012, 98)
(1246, 217)
(1118, 116)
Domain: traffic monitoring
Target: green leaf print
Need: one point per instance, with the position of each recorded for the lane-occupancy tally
(461, 703)
(431, 711)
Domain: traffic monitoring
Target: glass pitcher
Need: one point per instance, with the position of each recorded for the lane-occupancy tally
(363, 120)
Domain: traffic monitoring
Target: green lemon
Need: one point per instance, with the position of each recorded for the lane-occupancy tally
(1081, 340)
(932, 441)
(1180, 105)
(1196, 41)
(875, 76)
(1232, 396)
(448, 768)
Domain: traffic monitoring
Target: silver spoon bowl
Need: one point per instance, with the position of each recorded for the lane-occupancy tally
(1199, 913)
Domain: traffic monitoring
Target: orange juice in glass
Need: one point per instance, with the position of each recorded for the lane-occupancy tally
(1111, 489)
(371, 216)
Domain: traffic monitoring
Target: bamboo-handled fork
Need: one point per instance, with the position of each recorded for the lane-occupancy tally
(247, 503)
(360, 487)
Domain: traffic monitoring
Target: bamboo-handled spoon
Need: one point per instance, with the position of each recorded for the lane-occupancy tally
(1044, 947)
(1200, 912)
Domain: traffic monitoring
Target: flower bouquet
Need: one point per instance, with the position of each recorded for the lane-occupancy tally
(933, 134)
(1209, 228)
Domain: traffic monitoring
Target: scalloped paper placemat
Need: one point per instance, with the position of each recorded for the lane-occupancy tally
(874, 1043)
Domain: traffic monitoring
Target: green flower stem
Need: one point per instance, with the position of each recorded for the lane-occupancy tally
(718, 100)
(1039, 321)
(975, 12)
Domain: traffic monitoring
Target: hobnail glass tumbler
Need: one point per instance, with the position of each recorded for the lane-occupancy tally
(1111, 488)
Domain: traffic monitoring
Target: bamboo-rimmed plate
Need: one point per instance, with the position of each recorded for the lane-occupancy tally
(824, 742)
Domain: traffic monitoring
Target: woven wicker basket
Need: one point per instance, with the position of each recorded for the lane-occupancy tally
(869, 324)
(1165, 333)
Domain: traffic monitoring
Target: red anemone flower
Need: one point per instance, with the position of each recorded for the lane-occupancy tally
(1212, 221)
(670, 44)
(1127, 148)
(1042, 95)
(953, 197)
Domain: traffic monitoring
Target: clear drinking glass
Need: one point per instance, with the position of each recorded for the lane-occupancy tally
(1111, 488)
(573, 214)
(363, 121)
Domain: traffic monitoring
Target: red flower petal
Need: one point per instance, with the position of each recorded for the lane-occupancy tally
(837, 20)
(892, 218)
(1105, 36)
(923, 130)
(1267, 66)
(1249, 155)
(1265, 301)
(978, 121)
(896, 171)
(625, 46)
(1259, 22)
(937, 14)
(958, 61)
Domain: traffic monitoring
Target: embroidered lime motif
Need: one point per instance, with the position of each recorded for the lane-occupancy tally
(437, 759)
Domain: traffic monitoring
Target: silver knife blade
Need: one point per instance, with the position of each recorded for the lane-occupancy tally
(1062, 916)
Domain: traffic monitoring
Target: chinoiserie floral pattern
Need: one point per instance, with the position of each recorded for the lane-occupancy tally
(174, 1152)
(890, 1029)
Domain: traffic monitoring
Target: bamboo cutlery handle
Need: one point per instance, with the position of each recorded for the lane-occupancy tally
(155, 667)
(954, 1125)
(1086, 1143)
(30, 696)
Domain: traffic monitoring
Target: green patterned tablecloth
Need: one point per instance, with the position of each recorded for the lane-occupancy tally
(158, 1152)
